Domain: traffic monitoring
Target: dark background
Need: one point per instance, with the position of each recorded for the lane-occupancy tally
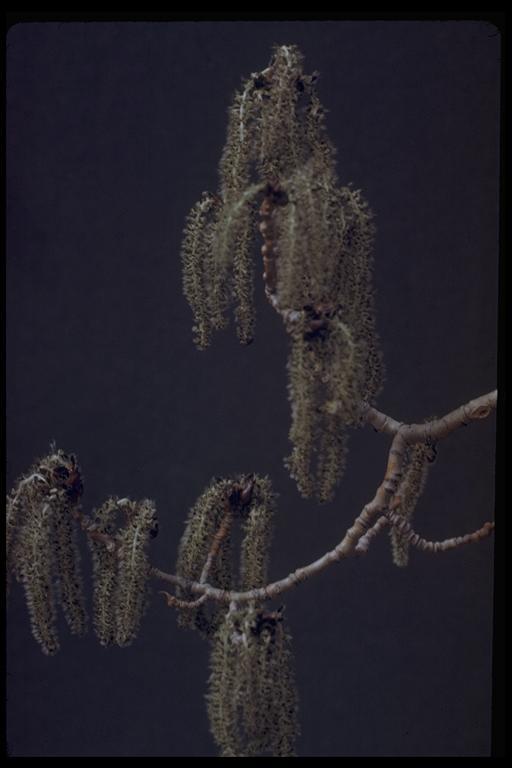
(113, 131)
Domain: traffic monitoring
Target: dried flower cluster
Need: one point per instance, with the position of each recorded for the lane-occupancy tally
(278, 163)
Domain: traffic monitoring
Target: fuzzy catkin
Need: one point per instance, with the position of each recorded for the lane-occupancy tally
(68, 574)
(119, 539)
(133, 570)
(36, 574)
(202, 284)
(257, 536)
(29, 492)
(104, 561)
(252, 699)
(275, 125)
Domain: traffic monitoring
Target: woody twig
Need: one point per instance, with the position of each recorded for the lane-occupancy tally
(365, 527)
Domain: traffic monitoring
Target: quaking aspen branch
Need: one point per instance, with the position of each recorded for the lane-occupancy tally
(277, 180)
(356, 539)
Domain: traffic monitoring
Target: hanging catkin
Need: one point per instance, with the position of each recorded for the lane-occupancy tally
(317, 261)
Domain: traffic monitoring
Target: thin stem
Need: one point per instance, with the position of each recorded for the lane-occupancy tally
(219, 537)
(175, 602)
(418, 541)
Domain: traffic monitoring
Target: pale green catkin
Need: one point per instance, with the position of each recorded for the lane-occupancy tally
(20, 502)
(67, 566)
(36, 570)
(133, 569)
(318, 250)
(309, 232)
(243, 278)
(202, 283)
(305, 423)
(284, 146)
(252, 698)
(222, 697)
(104, 560)
(119, 537)
(257, 535)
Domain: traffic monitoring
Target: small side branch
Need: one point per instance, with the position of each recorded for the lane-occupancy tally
(175, 602)
(437, 546)
(219, 537)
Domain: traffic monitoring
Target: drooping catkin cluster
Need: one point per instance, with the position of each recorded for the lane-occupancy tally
(252, 698)
(275, 126)
(206, 551)
(420, 457)
(41, 549)
(334, 363)
(317, 243)
(120, 567)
